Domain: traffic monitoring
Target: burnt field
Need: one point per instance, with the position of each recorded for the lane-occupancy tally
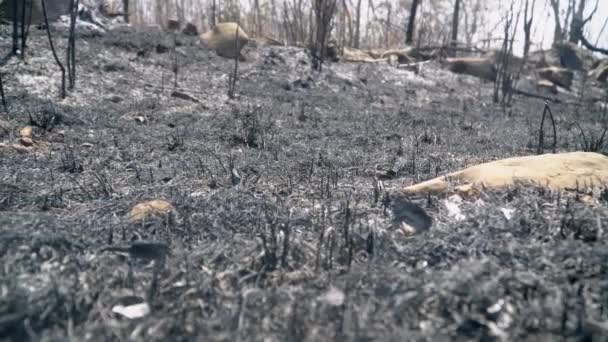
(286, 202)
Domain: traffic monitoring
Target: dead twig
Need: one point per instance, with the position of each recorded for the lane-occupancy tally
(536, 96)
(541, 132)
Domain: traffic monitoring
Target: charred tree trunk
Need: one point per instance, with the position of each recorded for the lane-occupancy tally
(2, 94)
(358, 25)
(528, 19)
(213, 14)
(71, 51)
(21, 17)
(557, 33)
(578, 22)
(258, 24)
(324, 13)
(15, 16)
(455, 17)
(349, 23)
(387, 34)
(409, 35)
(22, 31)
(125, 8)
(576, 25)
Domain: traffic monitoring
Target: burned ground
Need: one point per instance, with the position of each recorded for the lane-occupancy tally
(282, 231)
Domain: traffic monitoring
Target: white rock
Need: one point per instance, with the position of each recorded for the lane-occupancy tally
(508, 213)
(132, 311)
(333, 297)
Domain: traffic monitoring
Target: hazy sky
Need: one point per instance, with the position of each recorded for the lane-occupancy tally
(544, 23)
(493, 11)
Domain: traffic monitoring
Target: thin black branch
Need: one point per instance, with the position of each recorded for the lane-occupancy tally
(48, 31)
(541, 132)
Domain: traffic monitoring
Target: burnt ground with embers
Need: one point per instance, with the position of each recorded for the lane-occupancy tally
(285, 200)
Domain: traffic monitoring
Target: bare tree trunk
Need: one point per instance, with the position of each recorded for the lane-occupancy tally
(557, 32)
(387, 31)
(125, 8)
(341, 27)
(273, 19)
(2, 95)
(569, 12)
(358, 25)
(371, 10)
(528, 19)
(409, 35)
(258, 24)
(455, 24)
(71, 50)
(14, 17)
(475, 13)
(324, 13)
(349, 23)
(576, 25)
(213, 14)
(312, 26)
(23, 24)
(578, 22)
(287, 26)
(471, 21)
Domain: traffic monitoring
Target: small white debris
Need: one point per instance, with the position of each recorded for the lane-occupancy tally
(453, 210)
(496, 307)
(333, 297)
(198, 194)
(132, 311)
(508, 213)
(425, 325)
(407, 229)
(421, 264)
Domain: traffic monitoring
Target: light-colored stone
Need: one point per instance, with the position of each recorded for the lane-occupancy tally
(26, 132)
(546, 85)
(134, 311)
(268, 41)
(560, 76)
(564, 171)
(600, 73)
(402, 55)
(150, 209)
(356, 55)
(225, 40)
